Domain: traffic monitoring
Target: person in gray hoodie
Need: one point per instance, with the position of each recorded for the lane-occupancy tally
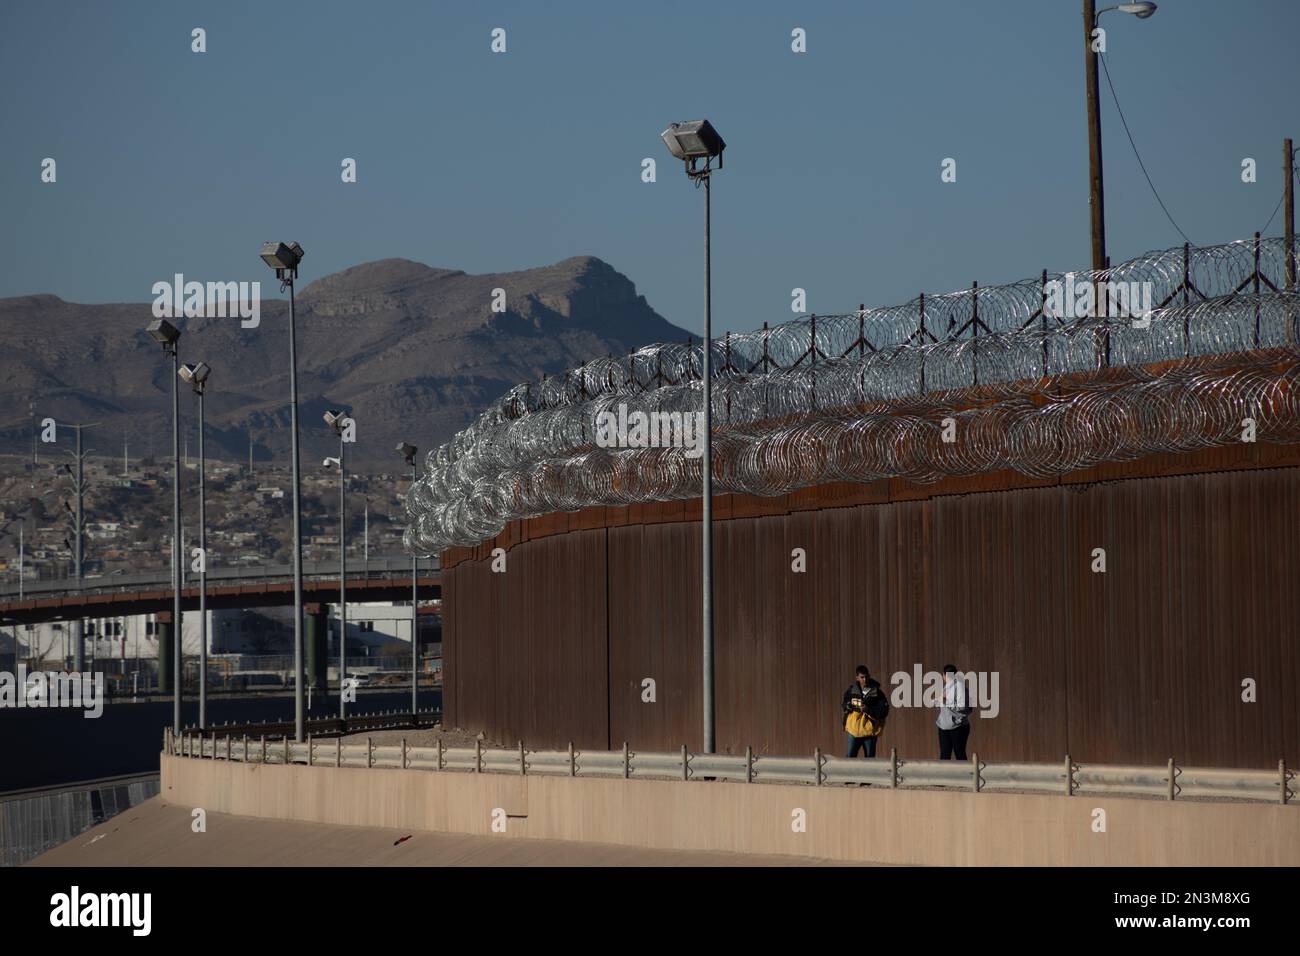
(954, 716)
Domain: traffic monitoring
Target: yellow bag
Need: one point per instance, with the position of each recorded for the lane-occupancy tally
(860, 725)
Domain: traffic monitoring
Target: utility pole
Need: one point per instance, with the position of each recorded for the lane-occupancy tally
(1096, 200)
(1288, 200)
(78, 551)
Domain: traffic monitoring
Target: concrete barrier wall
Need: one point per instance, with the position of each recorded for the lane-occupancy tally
(865, 824)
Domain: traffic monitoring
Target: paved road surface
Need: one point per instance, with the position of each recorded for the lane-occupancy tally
(158, 834)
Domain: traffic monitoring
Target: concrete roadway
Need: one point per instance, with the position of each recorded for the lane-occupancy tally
(158, 834)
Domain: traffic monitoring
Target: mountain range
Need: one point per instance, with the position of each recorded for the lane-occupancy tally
(412, 352)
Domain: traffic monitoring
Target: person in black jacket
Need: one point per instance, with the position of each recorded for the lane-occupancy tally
(865, 696)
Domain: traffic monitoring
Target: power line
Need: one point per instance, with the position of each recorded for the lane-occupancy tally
(1264, 231)
(1120, 110)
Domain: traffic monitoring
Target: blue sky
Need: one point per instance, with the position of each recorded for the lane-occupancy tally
(171, 161)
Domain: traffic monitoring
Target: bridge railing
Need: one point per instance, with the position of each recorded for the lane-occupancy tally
(375, 568)
(1066, 778)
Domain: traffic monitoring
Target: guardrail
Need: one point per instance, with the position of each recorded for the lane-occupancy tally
(1066, 778)
(320, 726)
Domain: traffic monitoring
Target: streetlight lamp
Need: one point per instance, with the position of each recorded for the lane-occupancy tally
(693, 142)
(1096, 198)
(284, 259)
(197, 376)
(340, 422)
(168, 336)
(407, 451)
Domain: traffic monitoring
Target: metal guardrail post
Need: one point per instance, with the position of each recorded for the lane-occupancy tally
(1069, 776)
(263, 748)
(441, 763)
(245, 748)
(1173, 785)
(311, 752)
(685, 771)
(478, 756)
(893, 768)
(817, 765)
(1281, 774)
(975, 761)
(522, 765)
(627, 766)
(338, 751)
(286, 750)
(573, 764)
(749, 764)
(403, 753)
(370, 752)
(227, 748)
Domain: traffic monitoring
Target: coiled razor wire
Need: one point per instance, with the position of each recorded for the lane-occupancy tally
(866, 395)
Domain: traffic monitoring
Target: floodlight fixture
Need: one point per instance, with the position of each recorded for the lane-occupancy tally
(282, 257)
(195, 374)
(407, 451)
(336, 420)
(164, 333)
(692, 141)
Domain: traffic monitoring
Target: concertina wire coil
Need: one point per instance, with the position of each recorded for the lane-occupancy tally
(874, 393)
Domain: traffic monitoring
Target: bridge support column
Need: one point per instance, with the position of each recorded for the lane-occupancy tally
(166, 666)
(318, 639)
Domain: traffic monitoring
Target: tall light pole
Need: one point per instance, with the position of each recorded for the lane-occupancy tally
(695, 141)
(1096, 191)
(168, 336)
(342, 425)
(407, 451)
(284, 259)
(197, 376)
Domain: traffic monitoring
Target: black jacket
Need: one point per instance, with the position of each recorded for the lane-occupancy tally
(874, 703)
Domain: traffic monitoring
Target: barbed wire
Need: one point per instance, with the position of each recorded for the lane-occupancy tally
(861, 395)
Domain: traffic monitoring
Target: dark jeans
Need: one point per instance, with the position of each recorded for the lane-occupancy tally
(866, 744)
(953, 742)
